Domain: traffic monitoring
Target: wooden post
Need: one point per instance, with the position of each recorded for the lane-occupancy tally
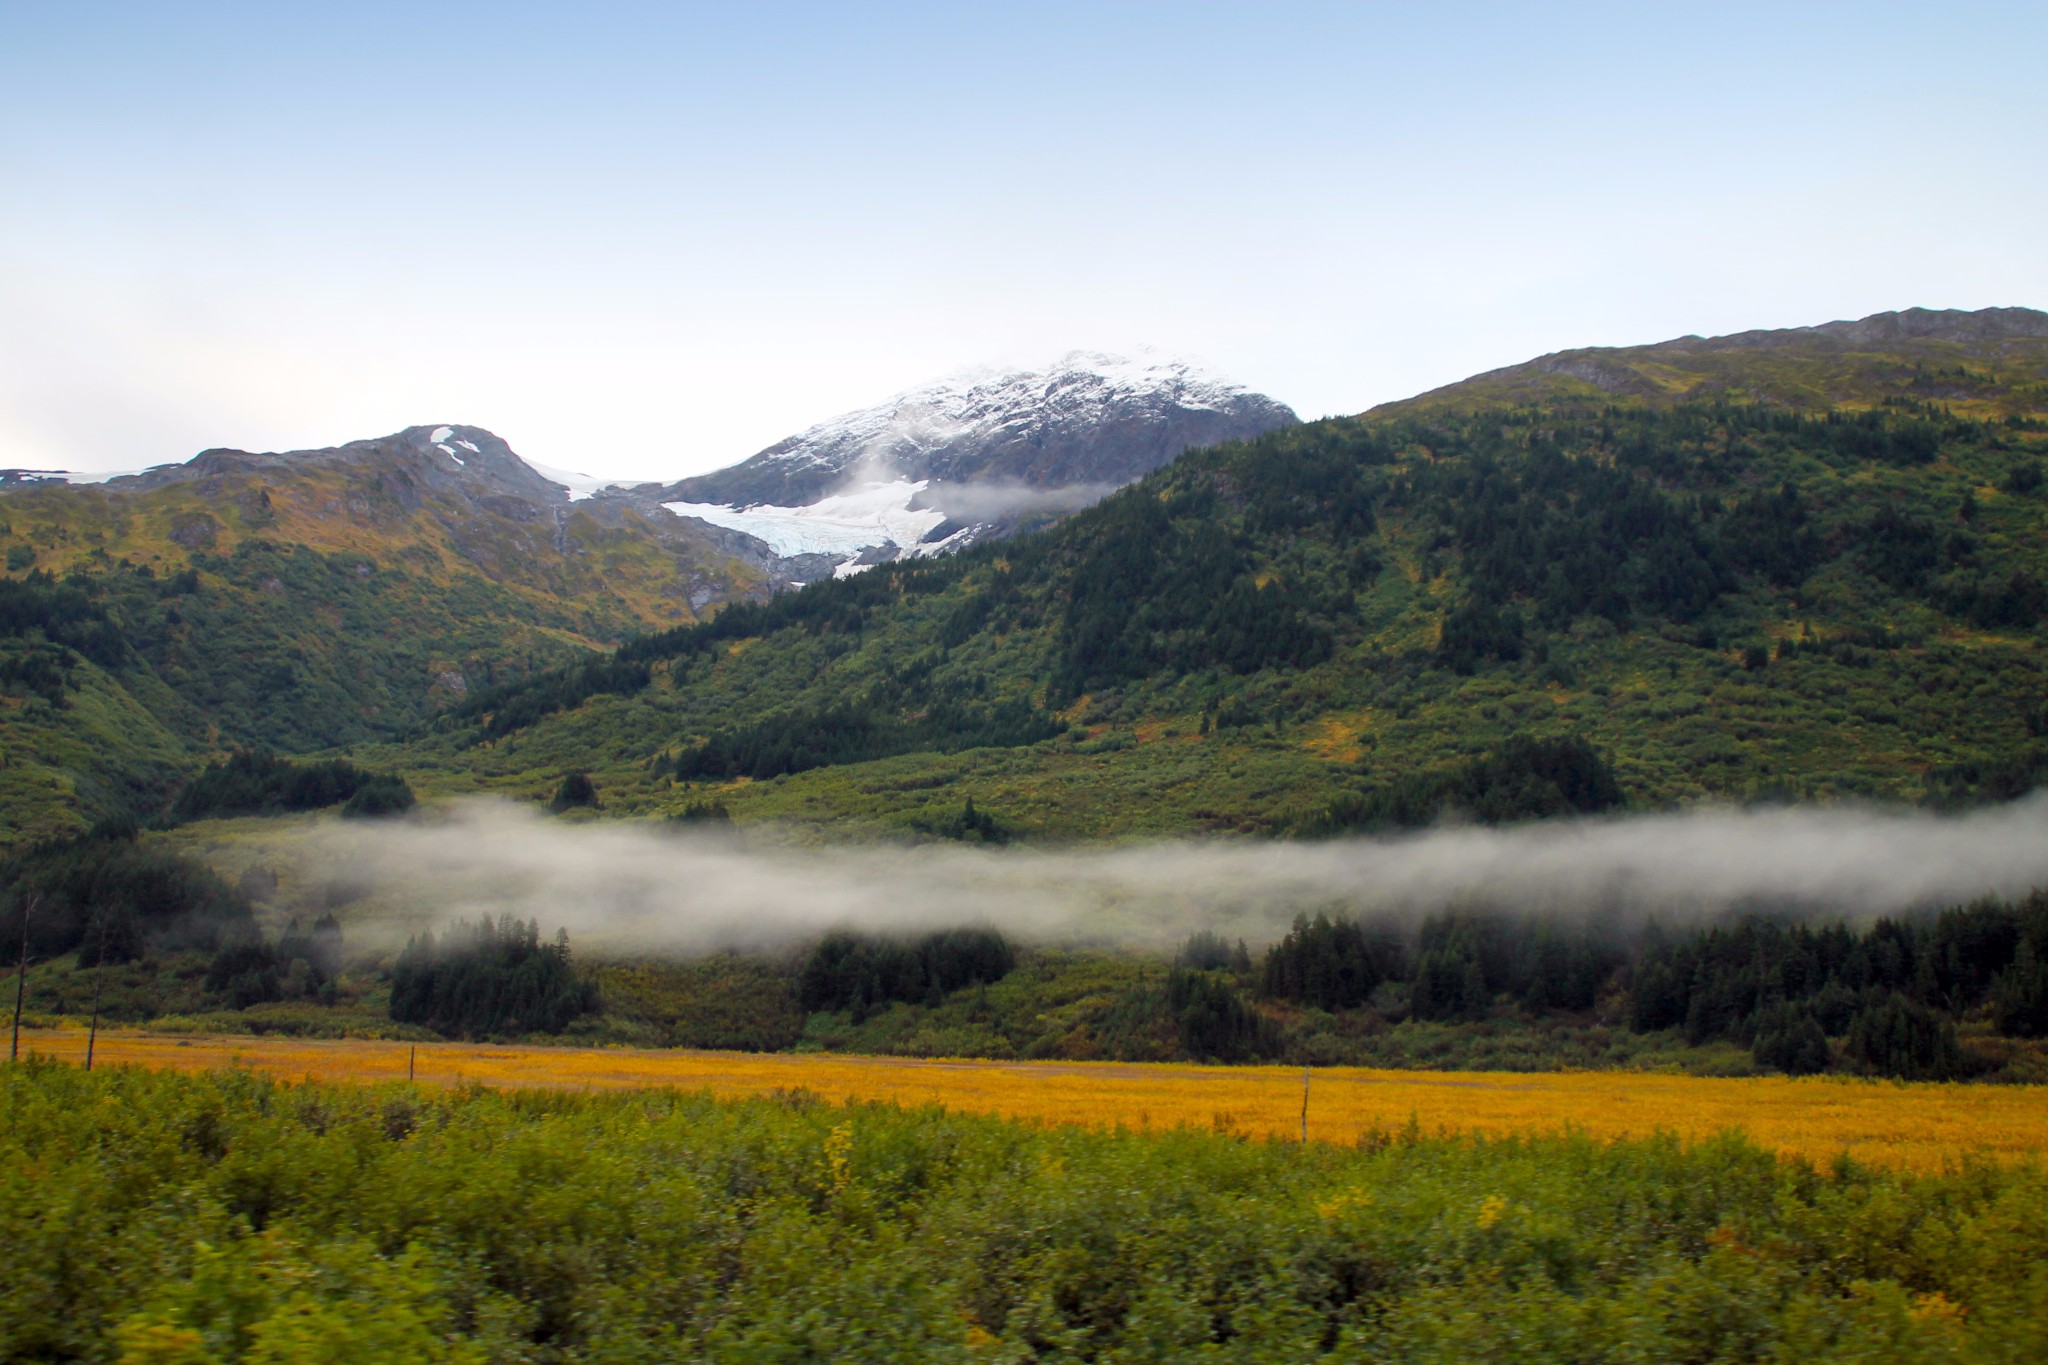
(21, 980)
(1304, 1105)
(99, 985)
(411, 1059)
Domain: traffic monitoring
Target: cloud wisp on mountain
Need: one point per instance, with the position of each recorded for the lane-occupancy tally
(635, 887)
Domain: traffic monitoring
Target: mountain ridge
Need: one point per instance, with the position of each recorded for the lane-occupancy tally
(978, 455)
(318, 598)
(1913, 352)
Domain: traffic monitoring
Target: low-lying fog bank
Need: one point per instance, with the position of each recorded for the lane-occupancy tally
(638, 887)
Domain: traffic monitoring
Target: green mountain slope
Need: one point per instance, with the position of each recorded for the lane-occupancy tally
(1726, 593)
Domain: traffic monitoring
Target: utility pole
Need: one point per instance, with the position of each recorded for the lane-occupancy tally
(28, 906)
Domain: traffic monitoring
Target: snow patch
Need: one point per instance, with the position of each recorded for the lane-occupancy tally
(945, 545)
(843, 524)
(449, 453)
(469, 446)
(441, 434)
(580, 486)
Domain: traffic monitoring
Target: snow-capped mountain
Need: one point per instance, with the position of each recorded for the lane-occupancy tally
(938, 466)
(1088, 418)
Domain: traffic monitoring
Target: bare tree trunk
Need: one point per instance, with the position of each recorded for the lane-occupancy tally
(21, 980)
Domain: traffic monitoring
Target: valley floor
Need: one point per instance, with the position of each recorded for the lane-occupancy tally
(1912, 1127)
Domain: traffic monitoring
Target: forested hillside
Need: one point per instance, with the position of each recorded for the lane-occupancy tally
(1369, 621)
(1790, 564)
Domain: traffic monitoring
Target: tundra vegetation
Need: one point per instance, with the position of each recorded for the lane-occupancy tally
(229, 1217)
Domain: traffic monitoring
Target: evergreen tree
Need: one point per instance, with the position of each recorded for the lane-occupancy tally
(1895, 1036)
(1790, 1040)
(1212, 1019)
(490, 979)
(576, 791)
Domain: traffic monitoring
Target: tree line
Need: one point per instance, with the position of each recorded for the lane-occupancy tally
(1890, 994)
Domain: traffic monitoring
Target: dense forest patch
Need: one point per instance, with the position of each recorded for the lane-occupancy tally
(252, 782)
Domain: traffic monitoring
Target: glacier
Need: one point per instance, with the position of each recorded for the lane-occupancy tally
(845, 523)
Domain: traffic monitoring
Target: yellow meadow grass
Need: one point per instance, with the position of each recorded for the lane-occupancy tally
(1908, 1127)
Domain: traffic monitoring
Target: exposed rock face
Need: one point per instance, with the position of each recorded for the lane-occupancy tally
(1089, 420)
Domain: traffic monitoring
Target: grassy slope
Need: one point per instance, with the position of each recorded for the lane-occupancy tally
(1671, 701)
(326, 613)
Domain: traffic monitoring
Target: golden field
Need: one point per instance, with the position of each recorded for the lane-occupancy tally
(1901, 1126)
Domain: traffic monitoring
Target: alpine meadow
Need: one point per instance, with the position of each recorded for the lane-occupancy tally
(884, 810)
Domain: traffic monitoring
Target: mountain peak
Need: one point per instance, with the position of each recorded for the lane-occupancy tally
(1089, 418)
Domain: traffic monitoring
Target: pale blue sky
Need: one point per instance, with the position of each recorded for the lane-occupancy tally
(650, 239)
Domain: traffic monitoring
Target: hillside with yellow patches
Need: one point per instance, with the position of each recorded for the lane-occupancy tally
(1335, 738)
(613, 569)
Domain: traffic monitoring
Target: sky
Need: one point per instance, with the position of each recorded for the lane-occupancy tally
(647, 240)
